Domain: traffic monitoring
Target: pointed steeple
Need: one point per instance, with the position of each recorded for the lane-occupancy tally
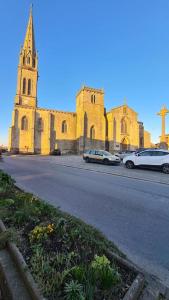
(28, 54)
(29, 42)
(28, 69)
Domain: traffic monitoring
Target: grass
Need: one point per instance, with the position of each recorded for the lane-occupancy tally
(66, 257)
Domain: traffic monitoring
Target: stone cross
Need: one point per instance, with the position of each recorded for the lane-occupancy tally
(163, 112)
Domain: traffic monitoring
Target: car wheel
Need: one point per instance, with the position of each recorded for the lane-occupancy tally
(129, 164)
(165, 168)
(106, 161)
(87, 159)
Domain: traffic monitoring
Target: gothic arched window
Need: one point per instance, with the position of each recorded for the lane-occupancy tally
(29, 86)
(64, 127)
(24, 86)
(92, 133)
(123, 126)
(24, 123)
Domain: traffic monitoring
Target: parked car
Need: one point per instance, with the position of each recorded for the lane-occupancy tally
(154, 158)
(143, 149)
(101, 156)
(123, 154)
(56, 152)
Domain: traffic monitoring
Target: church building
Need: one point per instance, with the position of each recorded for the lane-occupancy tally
(39, 130)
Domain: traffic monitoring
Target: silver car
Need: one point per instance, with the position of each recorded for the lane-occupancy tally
(101, 156)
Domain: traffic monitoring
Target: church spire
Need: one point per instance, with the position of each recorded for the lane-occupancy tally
(28, 54)
(29, 42)
(28, 69)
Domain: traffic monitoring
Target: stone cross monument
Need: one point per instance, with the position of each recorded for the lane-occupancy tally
(163, 112)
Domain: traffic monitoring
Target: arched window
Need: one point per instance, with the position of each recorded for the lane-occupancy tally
(64, 127)
(29, 86)
(123, 126)
(24, 60)
(40, 124)
(28, 60)
(24, 86)
(24, 123)
(93, 99)
(92, 133)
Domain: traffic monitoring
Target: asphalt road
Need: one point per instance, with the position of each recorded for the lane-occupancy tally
(132, 213)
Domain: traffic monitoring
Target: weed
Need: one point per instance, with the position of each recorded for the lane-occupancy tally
(40, 233)
(104, 273)
(74, 291)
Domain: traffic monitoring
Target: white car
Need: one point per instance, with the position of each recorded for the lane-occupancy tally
(101, 156)
(156, 158)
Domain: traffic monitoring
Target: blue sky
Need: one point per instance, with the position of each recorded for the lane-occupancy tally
(121, 46)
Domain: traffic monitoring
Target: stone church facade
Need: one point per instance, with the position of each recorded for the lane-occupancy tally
(38, 130)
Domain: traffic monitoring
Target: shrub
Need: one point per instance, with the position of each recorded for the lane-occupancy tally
(78, 273)
(40, 233)
(74, 291)
(104, 273)
(7, 202)
(6, 182)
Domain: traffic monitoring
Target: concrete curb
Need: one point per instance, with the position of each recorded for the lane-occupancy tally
(22, 269)
(114, 174)
(137, 286)
(134, 291)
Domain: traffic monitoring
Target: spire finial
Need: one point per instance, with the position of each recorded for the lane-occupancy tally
(125, 101)
(31, 8)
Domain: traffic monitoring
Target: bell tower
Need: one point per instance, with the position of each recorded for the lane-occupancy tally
(26, 94)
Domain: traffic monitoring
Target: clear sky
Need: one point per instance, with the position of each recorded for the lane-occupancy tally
(119, 45)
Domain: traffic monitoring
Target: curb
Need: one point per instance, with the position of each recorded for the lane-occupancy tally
(134, 291)
(137, 285)
(22, 267)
